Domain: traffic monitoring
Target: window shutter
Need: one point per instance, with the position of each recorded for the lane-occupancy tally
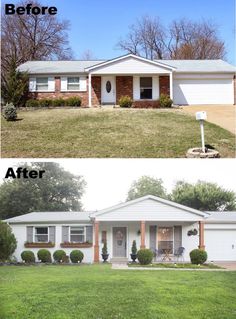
(83, 83)
(29, 234)
(32, 84)
(136, 88)
(65, 234)
(63, 84)
(153, 236)
(52, 234)
(89, 234)
(155, 88)
(51, 84)
(177, 237)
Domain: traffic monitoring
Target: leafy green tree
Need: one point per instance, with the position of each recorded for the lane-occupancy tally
(8, 242)
(147, 185)
(57, 190)
(204, 196)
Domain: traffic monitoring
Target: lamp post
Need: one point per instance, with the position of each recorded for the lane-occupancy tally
(201, 117)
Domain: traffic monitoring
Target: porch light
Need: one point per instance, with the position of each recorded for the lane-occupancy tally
(201, 117)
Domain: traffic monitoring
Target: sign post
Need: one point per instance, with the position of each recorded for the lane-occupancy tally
(201, 117)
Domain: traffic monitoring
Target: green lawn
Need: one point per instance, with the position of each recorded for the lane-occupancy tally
(99, 292)
(109, 133)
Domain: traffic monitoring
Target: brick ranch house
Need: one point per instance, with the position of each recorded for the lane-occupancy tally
(153, 222)
(104, 82)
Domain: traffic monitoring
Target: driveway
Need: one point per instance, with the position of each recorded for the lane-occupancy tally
(222, 115)
(230, 265)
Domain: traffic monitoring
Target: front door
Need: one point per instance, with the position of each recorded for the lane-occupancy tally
(119, 241)
(108, 90)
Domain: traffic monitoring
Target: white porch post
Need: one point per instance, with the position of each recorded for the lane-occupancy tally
(90, 90)
(171, 86)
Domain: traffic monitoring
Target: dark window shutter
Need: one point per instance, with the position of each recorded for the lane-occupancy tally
(65, 234)
(177, 237)
(153, 236)
(29, 234)
(89, 234)
(52, 234)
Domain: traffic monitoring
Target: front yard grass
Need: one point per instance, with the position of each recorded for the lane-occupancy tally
(109, 133)
(98, 292)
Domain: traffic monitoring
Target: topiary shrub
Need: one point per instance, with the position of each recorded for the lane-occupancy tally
(32, 103)
(76, 256)
(59, 255)
(8, 241)
(145, 256)
(198, 256)
(9, 112)
(165, 101)
(59, 102)
(28, 256)
(44, 256)
(134, 248)
(73, 101)
(125, 101)
(45, 102)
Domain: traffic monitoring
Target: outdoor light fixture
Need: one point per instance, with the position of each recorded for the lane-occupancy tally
(201, 117)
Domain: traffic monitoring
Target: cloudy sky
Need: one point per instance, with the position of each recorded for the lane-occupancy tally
(108, 180)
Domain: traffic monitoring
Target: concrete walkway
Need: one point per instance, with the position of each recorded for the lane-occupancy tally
(222, 115)
(229, 265)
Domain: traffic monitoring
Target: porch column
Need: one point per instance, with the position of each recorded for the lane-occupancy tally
(142, 246)
(90, 90)
(171, 86)
(96, 242)
(201, 236)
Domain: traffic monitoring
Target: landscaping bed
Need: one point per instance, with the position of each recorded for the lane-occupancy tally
(177, 266)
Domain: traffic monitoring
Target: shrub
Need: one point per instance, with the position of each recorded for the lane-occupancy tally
(198, 256)
(59, 255)
(125, 101)
(32, 103)
(165, 101)
(28, 256)
(44, 256)
(73, 101)
(104, 248)
(59, 102)
(76, 256)
(9, 112)
(145, 256)
(134, 248)
(7, 241)
(45, 102)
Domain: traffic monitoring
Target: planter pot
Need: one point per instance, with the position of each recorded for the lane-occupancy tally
(133, 257)
(105, 257)
(39, 245)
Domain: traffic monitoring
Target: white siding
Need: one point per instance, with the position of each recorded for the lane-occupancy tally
(149, 210)
(130, 65)
(198, 89)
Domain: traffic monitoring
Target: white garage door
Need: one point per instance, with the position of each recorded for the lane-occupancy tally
(196, 91)
(220, 244)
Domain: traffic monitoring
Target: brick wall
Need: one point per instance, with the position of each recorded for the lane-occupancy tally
(146, 104)
(124, 86)
(96, 90)
(164, 85)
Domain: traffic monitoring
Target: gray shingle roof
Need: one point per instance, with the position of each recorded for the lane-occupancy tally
(50, 217)
(56, 67)
(217, 66)
(223, 217)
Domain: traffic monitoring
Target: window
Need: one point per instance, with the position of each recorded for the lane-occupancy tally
(41, 84)
(77, 234)
(165, 238)
(73, 84)
(145, 88)
(41, 234)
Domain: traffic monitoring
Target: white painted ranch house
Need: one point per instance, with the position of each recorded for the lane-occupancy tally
(104, 82)
(153, 222)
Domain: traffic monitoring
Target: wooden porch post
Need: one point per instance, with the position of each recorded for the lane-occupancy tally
(142, 246)
(96, 242)
(201, 236)
(90, 90)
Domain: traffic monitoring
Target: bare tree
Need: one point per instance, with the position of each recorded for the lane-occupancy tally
(87, 55)
(183, 39)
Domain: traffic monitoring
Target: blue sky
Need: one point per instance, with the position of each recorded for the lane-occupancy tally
(98, 25)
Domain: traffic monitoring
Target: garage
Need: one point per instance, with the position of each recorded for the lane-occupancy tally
(221, 244)
(203, 91)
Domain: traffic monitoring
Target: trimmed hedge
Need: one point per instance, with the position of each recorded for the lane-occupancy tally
(76, 256)
(59, 255)
(198, 256)
(28, 256)
(125, 101)
(145, 256)
(165, 101)
(71, 101)
(44, 256)
(9, 112)
(32, 103)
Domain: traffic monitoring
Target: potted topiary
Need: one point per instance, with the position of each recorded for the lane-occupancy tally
(104, 252)
(133, 254)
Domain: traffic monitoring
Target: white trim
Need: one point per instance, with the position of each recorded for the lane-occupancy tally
(90, 90)
(127, 241)
(171, 85)
(84, 227)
